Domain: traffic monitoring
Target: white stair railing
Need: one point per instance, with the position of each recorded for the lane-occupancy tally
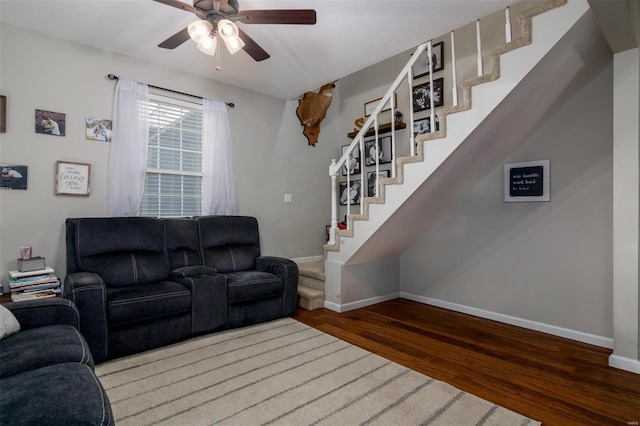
(351, 188)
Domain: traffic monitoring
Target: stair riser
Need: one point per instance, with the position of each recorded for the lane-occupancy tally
(311, 282)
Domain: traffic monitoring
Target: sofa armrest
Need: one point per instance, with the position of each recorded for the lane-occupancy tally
(88, 292)
(42, 312)
(287, 271)
(193, 272)
(208, 298)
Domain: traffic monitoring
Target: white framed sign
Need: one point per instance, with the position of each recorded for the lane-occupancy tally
(73, 178)
(526, 182)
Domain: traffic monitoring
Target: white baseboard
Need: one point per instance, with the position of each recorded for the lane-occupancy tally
(579, 336)
(308, 259)
(628, 364)
(360, 303)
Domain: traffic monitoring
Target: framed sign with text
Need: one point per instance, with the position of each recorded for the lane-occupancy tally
(524, 182)
(73, 178)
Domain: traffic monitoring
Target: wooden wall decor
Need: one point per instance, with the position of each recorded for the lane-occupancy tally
(312, 109)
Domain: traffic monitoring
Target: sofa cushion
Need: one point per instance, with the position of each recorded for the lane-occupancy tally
(121, 250)
(146, 301)
(8, 323)
(229, 243)
(41, 346)
(250, 285)
(183, 246)
(59, 394)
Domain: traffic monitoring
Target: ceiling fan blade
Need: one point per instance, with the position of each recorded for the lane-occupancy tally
(184, 6)
(175, 40)
(252, 48)
(277, 16)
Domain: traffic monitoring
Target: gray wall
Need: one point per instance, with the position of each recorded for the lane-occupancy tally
(547, 262)
(271, 154)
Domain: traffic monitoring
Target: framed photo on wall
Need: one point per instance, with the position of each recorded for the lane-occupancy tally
(73, 178)
(381, 150)
(353, 162)
(422, 93)
(13, 176)
(423, 126)
(3, 114)
(421, 66)
(372, 188)
(352, 193)
(50, 123)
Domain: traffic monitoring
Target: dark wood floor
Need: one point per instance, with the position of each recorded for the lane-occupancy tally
(551, 379)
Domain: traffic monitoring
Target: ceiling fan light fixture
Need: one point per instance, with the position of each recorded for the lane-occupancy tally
(234, 44)
(199, 30)
(227, 29)
(209, 45)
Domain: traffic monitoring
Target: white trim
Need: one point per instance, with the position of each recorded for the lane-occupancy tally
(628, 364)
(579, 336)
(308, 259)
(360, 303)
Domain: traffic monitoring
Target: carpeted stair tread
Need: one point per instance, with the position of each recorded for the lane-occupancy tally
(310, 298)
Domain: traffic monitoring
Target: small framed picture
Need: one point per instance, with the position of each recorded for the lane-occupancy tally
(73, 178)
(370, 106)
(50, 123)
(421, 66)
(13, 176)
(380, 150)
(372, 181)
(98, 129)
(353, 162)
(423, 126)
(350, 194)
(3, 114)
(422, 93)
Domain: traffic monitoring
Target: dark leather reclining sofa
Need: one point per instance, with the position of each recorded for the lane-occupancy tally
(140, 283)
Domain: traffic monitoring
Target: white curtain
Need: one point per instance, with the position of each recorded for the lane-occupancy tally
(128, 149)
(218, 181)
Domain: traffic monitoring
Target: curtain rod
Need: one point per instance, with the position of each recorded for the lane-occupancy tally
(115, 77)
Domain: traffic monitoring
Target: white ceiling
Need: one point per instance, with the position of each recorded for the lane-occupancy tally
(349, 35)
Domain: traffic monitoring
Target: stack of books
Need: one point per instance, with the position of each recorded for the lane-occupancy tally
(34, 284)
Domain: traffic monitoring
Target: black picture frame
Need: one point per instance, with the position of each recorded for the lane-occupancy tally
(422, 92)
(353, 166)
(421, 67)
(383, 153)
(13, 176)
(371, 181)
(423, 125)
(355, 193)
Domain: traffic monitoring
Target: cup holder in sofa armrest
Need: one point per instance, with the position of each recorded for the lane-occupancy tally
(194, 271)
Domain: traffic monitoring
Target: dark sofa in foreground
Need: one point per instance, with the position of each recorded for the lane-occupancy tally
(46, 369)
(140, 283)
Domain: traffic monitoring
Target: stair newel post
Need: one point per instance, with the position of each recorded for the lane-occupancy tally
(507, 25)
(334, 204)
(479, 43)
(431, 88)
(454, 79)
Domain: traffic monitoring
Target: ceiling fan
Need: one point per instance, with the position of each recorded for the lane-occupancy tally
(217, 21)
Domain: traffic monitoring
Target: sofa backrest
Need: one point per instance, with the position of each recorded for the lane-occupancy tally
(229, 243)
(122, 250)
(183, 246)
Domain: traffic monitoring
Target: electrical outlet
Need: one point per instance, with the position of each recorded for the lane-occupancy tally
(287, 198)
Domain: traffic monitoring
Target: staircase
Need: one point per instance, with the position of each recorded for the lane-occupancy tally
(465, 140)
(311, 285)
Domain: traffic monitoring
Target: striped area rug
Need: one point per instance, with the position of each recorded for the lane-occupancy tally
(283, 373)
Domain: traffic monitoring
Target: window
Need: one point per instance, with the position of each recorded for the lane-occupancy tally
(173, 181)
